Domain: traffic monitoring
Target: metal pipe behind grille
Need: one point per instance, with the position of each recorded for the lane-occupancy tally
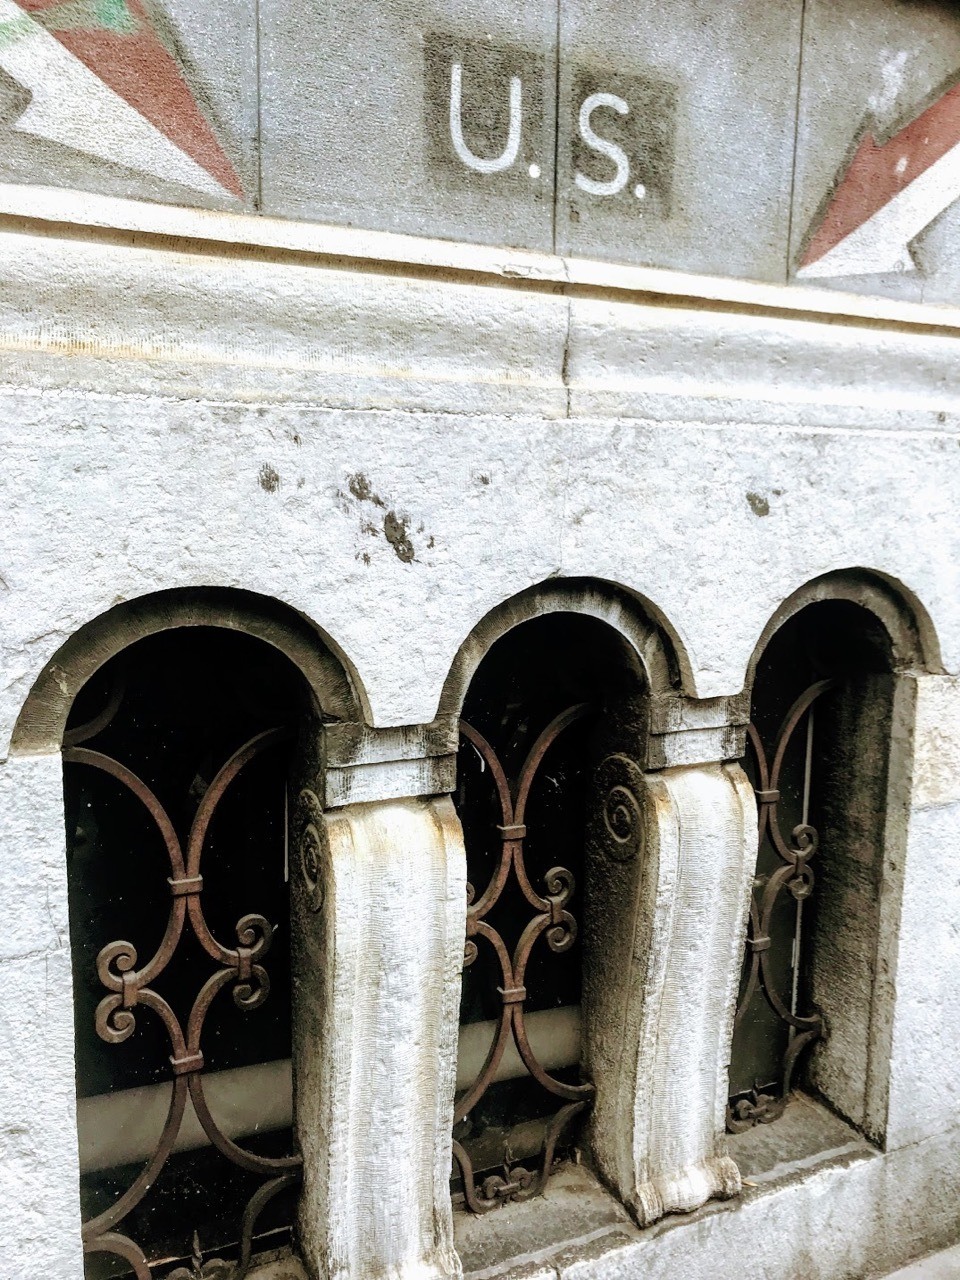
(122, 1128)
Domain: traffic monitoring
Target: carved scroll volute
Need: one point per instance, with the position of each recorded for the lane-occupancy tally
(617, 827)
(310, 848)
(615, 920)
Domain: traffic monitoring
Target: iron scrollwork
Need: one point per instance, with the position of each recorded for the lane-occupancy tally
(551, 921)
(796, 877)
(130, 991)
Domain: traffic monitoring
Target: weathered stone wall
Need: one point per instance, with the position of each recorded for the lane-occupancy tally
(394, 438)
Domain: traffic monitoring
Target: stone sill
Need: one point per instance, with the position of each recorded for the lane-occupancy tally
(578, 1221)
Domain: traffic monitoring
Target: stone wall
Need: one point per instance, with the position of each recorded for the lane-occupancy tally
(816, 139)
(392, 438)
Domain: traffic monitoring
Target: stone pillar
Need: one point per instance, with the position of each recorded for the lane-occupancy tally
(39, 1164)
(379, 889)
(918, 969)
(671, 856)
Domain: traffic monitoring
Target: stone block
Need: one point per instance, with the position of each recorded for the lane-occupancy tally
(424, 118)
(676, 133)
(870, 211)
(924, 1089)
(156, 104)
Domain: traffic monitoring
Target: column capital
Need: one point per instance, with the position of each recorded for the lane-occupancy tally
(365, 764)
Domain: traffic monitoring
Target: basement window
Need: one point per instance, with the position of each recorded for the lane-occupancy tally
(175, 781)
(819, 759)
(524, 775)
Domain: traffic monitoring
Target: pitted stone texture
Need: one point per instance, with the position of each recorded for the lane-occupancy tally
(700, 189)
(924, 1090)
(873, 65)
(506, 504)
(360, 132)
(376, 992)
(39, 1172)
(33, 867)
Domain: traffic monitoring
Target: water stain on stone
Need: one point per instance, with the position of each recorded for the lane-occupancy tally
(395, 532)
(269, 479)
(758, 504)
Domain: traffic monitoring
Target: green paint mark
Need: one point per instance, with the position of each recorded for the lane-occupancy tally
(116, 16)
(90, 15)
(76, 15)
(17, 29)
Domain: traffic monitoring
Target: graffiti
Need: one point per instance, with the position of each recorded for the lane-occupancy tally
(102, 81)
(888, 194)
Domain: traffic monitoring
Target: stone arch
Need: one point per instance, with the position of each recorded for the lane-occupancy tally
(659, 653)
(332, 681)
(33, 771)
(641, 1081)
(851, 708)
(913, 637)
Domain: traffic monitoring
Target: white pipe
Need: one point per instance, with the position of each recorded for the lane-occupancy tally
(124, 1127)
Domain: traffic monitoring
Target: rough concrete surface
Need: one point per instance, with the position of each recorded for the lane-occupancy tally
(156, 102)
(360, 132)
(944, 1265)
(874, 65)
(682, 135)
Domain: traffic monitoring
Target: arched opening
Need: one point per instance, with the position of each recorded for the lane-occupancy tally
(186, 720)
(176, 757)
(535, 708)
(829, 716)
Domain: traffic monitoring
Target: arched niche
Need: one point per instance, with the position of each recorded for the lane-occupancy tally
(657, 650)
(556, 689)
(830, 754)
(124, 699)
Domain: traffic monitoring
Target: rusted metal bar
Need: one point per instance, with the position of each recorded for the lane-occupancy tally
(796, 877)
(552, 922)
(129, 990)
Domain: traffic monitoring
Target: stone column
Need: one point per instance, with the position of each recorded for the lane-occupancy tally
(671, 855)
(39, 1164)
(379, 891)
(917, 1002)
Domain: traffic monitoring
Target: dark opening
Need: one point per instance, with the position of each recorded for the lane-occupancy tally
(554, 676)
(173, 709)
(823, 700)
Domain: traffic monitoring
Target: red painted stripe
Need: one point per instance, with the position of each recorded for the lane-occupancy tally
(143, 73)
(877, 174)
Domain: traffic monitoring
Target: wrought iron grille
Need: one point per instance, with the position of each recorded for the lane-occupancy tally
(550, 927)
(786, 878)
(192, 956)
